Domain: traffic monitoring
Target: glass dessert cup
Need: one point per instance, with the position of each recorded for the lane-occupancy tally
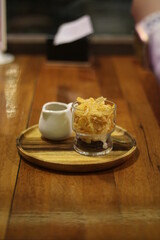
(93, 144)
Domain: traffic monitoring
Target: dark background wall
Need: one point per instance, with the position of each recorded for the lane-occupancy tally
(110, 17)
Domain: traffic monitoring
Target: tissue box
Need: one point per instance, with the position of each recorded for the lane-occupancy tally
(75, 51)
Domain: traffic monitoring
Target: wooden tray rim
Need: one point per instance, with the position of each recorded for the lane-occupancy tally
(102, 159)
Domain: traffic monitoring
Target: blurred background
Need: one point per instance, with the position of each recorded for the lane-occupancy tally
(30, 23)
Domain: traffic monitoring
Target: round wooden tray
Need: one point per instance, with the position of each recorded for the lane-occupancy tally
(60, 155)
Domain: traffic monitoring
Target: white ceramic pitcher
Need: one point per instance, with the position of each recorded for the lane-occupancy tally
(55, 121)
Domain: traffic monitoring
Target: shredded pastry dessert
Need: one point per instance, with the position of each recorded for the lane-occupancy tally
(94, 119)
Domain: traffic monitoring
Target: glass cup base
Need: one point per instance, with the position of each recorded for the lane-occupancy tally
(95, 148)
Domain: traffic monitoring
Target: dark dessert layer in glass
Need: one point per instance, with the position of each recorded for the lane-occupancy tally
(94, 146)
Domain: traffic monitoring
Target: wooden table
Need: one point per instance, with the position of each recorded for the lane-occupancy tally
(121, 203)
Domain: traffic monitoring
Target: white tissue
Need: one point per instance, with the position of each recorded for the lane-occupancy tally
(72, 31)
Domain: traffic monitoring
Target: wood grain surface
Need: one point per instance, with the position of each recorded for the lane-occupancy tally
(17, 86)
(122, 203)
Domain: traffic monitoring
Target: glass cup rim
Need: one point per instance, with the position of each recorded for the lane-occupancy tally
(111, 102)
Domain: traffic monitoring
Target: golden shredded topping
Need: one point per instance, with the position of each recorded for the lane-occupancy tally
(93, 116)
